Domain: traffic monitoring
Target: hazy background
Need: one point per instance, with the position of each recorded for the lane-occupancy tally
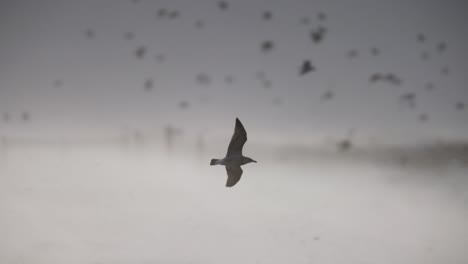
(111, 110)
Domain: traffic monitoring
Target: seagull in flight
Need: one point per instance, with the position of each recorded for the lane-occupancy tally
(234, 158)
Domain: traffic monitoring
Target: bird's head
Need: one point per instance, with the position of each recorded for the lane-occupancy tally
(248, 160)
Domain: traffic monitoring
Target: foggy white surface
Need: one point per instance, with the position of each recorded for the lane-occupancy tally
(131, 205)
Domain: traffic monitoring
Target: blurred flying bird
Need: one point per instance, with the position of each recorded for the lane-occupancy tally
(267, 15)
(148, 86)
(277, 101)
(429, 86)
(388, 78)
(234, 158)
(267, 84)
(393, 79)
(161, 13)
(6, 117)
(203, 79)
(170, 133)
(306, 67)
(267, 46)
(344, 145)
(423, 118)
(421, 38)
(318, 34)
(140, 52)
(200, 145)
(425, 55)
(460, 106)
(304, 21)
(445, 70)
(374, 51)
(199, 23)
(260, 75)
(408, 99)
(375, 77)
(441, 47)
(58, 83)
(229, 79)
(173, 14)
(184, 104)
(90, 33)
(352, 54)
(321, 16)
(328, 95)
(25, 116)
(160, 57)
(223, 5)
(129, 35)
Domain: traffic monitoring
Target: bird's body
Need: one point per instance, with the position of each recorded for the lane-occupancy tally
(234, 158)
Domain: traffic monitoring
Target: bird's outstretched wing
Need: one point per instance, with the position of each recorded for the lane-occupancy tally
(238, 140)
(234, 174)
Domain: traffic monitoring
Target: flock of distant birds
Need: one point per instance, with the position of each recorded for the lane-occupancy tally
(317, 35)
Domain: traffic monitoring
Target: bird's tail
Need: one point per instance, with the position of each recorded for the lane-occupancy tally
(214, 162)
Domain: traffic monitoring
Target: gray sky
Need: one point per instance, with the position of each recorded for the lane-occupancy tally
(103, 83)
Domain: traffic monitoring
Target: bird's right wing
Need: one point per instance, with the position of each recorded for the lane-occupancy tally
(234, 174)
(238, 140)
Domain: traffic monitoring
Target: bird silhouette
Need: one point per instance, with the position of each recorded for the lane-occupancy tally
(425, 55)
(375, 77)
(429, 86)
(374, 51)
(234, 158)
(203, 79)
(393, 79)
(318, 34)
(267, 46)
(140, 52)
(129, 35)
(409, 99)
(267, 15)
(441, 47)
(460, 106)
(199, 23)
(304, 21)
(6, 117)
(328, 95)
(90, 34)
(148, 85)
(58, 83)
(421, 38)
(352, 54)
(306, 68)
(344, 145)
(223, 5)
(173, 14)
(445, 70)
(184, 104)
(267, 84)
(229, 79)
(161, 13)
(321, 16)
(25, 116)
(160, 57)
(423, 118)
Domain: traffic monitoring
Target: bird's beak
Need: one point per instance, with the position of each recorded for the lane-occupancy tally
(254, 161)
